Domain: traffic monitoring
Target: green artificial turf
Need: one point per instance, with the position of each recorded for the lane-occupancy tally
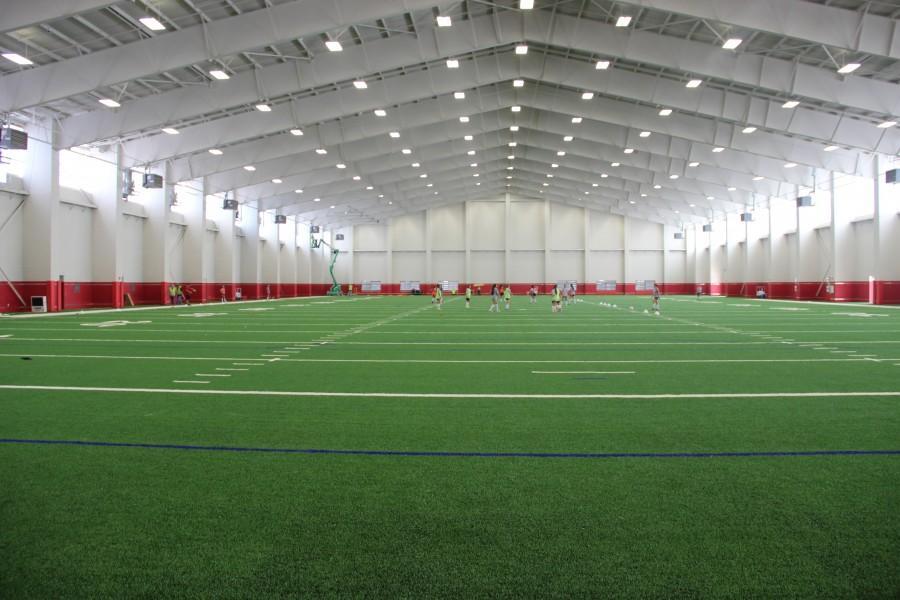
(152, 521)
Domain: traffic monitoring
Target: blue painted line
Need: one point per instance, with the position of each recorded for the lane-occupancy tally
(439, 454)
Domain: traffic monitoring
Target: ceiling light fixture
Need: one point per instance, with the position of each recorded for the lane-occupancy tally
(17, 58)
(849, 68)
(152, 23)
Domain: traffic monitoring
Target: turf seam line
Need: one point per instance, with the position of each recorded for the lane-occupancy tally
(455, 454)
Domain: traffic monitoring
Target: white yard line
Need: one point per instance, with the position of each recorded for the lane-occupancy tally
(584, 372)
(856, 358)
(64, 388)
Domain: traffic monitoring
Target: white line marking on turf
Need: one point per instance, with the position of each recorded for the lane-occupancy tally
(584, 372)
(63, 388)
(856, 358)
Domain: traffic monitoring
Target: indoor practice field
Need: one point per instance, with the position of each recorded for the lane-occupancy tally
(375, 446)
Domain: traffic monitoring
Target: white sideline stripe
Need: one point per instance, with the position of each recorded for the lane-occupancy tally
(136, 308)
(584, 372)
(127, 357)
(857, 358)
(229, 369)
(187, 381)
(212, 375)
(65, 388)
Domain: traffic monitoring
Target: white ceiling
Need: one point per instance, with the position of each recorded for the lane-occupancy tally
(274, 53)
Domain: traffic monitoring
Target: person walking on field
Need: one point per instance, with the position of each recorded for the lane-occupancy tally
(495, 299)
(555, 300)
(507, 296)
(468, 296)
(438, 296)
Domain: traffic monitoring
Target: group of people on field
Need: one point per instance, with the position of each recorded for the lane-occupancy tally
(558, 297)
(180, 294)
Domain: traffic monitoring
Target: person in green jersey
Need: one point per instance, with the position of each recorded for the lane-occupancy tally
(438, 296)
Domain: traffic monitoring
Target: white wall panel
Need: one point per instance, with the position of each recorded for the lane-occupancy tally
(606, 265)
(449, 266)
(646, 265)
(132, 261)
(175, 250)
(209, 255)
(409, 266)
(566, 265)
(488, 221)
(526, 226)
(371, 266)
(527, 267)
(487, 267)
(567, 230)
(448, 228)
(12, 236)
(75, 241)
(606, 231)
(371, 237)
(408, 232)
